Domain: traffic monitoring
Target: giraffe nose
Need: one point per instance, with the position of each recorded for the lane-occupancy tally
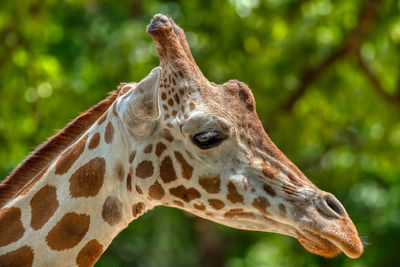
(331, 206)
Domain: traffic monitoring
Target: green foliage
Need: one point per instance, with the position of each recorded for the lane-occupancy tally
(57, 58)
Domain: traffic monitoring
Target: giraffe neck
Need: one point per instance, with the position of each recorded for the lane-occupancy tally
(73, 209)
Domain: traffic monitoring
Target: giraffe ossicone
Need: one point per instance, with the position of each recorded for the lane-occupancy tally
(174, 139)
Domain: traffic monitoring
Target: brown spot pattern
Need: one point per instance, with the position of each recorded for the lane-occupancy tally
(187, 170)
(160, 147)
(210, 183)
(43, 205)
(238, 214)
(109, 134)
(144, 169)
(291, 190)
(268, 170)
(261, 204)
(112, 210)
(269, 190)
(65, 162)
(132, 156)
(176, 98)
(216, 204)
(119, 171)
(10, 225)
(294, 180)
(166, 134)
(156, 191)
(167, 171)
(186, 195)
(89, 254)
(88, 179)
(138, 209)
(22, 257)
(102, 118)
(129, 182)
(178, 203)
(138, 189)
(69, 231)
(192, 105)
(199, 206)
(94, 141)
(114, 109)
(148, 148)
(233, 195)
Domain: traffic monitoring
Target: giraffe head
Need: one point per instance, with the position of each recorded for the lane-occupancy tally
(203, 149)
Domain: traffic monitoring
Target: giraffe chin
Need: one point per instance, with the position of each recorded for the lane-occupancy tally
(329, 247)
(318, 245)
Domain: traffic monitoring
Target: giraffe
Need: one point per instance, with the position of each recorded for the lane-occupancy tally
(173, 139)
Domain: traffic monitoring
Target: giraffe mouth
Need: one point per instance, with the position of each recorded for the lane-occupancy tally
(326, 243)
(317, 245)
(330, 245)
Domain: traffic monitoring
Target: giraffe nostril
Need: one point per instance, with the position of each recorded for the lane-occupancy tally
(334, 205)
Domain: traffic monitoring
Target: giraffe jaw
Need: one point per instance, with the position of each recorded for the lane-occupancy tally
(318, 242)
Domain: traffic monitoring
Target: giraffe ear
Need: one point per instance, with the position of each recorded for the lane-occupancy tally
(144, 98)
(142, 105)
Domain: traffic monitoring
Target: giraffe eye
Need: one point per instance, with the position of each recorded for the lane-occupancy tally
(208, 139)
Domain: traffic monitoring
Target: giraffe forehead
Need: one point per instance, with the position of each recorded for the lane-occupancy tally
(182, 97)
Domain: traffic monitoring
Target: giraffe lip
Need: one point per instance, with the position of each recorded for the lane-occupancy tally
(317, 245)
(329, 245)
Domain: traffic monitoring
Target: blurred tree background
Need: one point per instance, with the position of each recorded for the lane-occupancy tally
(325, 75)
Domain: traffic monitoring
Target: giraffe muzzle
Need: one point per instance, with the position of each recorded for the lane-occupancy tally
(331, 230)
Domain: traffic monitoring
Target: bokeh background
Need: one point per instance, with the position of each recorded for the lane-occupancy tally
(325, 75)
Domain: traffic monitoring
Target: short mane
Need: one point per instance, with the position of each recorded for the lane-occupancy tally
(47, 152)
